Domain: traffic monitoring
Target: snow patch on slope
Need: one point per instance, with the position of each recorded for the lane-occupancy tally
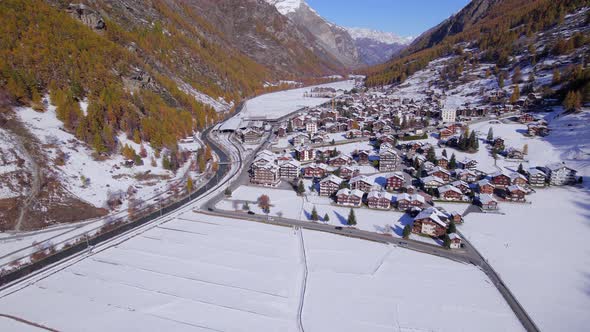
(285, 6)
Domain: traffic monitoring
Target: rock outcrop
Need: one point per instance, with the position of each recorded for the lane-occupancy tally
(86, 15)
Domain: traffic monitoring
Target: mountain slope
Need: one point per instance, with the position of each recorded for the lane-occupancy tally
(495, 31)
(335, 40)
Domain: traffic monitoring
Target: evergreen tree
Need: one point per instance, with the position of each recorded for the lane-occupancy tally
(453, 162)
(444, 152)
(431, 155)
(525, 149)
(407, 231)
(521, 169)
(351, 218)
(227, 191)
(490, 135)
(326, 218)
(472, 142)
(314, 214)
(300, 188)
(289, 127)
(246, 206)
(452, 228)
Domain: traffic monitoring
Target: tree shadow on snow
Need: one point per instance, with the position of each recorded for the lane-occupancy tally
(341, 218)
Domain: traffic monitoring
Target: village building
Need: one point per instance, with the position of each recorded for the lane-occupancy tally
(432, 182)
(448, 115)
(340, 160)
(455, 241)
(450, 193)
(304, 153)
(513, 153)
(559, 174)
(290, 169)
(487, 202)
(379, 200)
(363, 157)
(441, 173)
(251, 135)
(500, 180)
(518, 179)
(362, 183)
(484, 186)
(266, 174)
(498, 144)
(515, 193)
(311, 127)
(348, 172)
(347, 197)
(469, 163)
(407, 201)
(537, 178)
(462, 185)
(431, 221)
(388, 158)
(330, 185)
(466, 175)
(443, 162)
(395, 181)
(315, 171)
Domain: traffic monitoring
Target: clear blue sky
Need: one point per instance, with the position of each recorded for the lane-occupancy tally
(403, 17)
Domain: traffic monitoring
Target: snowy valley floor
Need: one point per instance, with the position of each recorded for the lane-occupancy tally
(202, 273)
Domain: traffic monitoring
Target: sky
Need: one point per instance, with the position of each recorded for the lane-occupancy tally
(402, 17)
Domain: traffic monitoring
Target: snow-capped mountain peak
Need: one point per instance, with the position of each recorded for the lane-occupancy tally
(381, 36)
(285, 6)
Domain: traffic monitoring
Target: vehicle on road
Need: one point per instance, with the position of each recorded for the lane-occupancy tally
(250, 212)
(338, 228)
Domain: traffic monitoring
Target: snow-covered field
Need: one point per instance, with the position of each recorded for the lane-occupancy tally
(202, 273)
(355, 285)
(541, 252)
(277, 104)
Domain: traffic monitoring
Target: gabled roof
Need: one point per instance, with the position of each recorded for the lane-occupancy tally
(361, 178)
(557, 166)
(379, 194)
(432, 178)
(515, 188)
(447, 187)
(433, 214)
(487, 199)
(332, 178)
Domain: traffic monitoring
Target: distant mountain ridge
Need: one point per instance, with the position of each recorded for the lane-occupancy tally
(380, 36)
(376, 47)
